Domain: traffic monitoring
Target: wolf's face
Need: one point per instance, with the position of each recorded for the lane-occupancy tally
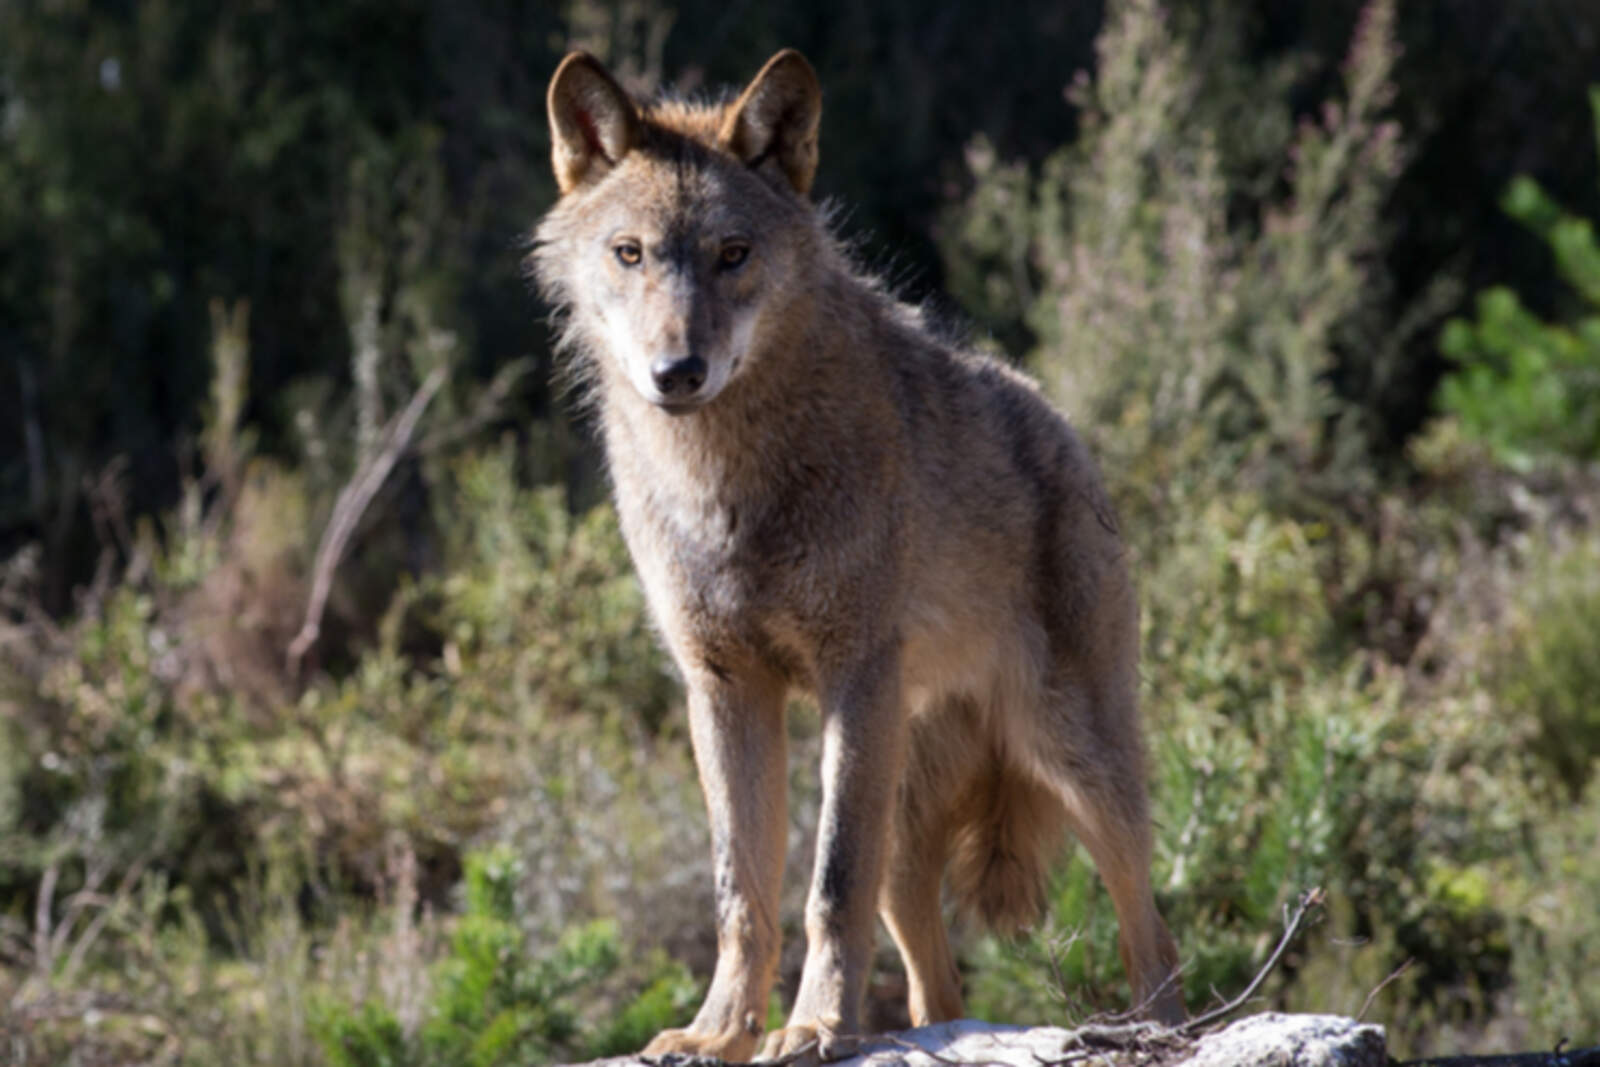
(680, 228)
(677, 260)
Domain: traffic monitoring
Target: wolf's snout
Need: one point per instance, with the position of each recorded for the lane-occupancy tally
(678, 377)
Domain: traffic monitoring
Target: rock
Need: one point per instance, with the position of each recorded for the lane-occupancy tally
(1268, 1040)
(1292, 1041)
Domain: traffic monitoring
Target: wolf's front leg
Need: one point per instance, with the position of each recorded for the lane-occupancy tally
(863, 742)
(736, 724)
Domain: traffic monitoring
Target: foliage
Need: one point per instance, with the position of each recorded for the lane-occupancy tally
(1547, 668)
(1556, 937)
(1526, 387)
(131, 752)
(496, 1004)
(1190, 341)
(157, 157)
(1315, 712)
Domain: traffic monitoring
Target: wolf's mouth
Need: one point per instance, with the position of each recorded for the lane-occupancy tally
(685, 406)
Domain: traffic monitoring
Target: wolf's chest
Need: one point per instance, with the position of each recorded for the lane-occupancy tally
(727, 566)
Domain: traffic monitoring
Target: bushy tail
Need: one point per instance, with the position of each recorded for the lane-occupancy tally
(1001, 854)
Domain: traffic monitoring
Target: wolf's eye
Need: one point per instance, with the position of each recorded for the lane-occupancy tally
(733, 255)
(628, 253)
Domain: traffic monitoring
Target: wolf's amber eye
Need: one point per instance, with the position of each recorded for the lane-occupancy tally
(733, 255)
(628, 253)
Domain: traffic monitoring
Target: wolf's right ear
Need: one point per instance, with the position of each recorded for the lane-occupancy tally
(593, 124)
(776, 118)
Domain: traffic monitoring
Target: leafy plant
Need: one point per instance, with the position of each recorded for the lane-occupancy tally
(495, 1001)
(1547, 670)
(1526, 387)
(1192, 332)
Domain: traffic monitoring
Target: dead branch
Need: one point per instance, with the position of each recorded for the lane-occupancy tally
(108, 906)
(488, 407)
(1396, 973)
(349, 508)
(1092, 1042)
(1310, 900)
(95, 869)
(42, 942)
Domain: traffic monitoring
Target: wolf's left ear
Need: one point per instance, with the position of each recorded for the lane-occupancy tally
(593, 124)
(777, 117)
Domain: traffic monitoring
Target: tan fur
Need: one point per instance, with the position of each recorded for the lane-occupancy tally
(846, 505)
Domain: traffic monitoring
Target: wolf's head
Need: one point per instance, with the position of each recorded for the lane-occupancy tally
(680, 227)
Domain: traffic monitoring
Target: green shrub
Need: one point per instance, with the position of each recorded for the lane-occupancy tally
(536, 597)
(1547, 669)
(127, 750)
(1192, 339)
(497, 1002)
(1555, 935)
(1526, 387)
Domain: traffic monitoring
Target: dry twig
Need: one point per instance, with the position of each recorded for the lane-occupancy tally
(351, 505)
(488, 407)
(1310, 900)
(1396, 973)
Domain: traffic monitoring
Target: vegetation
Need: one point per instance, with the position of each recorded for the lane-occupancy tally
(464, 826)
(1325, 701)
(1527, 387)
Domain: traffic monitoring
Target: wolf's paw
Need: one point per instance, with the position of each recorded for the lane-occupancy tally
(807, 1043)
(735, 1043)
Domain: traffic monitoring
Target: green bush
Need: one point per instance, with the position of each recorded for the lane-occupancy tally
(1555, 937)
(128, 752)
(1547, 669)
(1526, 387)
(495, 1002)
(1190, 331)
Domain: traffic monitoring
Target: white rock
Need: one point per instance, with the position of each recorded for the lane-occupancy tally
(1269, 1040)
(1292, 1041)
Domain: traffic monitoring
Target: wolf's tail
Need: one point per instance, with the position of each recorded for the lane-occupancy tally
(1001, 854)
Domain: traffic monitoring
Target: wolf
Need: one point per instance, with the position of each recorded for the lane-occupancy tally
(820, 494)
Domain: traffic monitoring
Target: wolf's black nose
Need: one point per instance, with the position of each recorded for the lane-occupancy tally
(682, 376)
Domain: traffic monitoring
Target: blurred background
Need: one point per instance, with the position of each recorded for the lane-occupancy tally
(332, 730)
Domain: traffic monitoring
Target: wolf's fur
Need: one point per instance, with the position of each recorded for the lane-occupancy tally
(850, 506)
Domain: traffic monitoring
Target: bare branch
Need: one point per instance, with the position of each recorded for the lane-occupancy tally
(1394, 974)
(42, 954)
(351, 505)
(94, 872)
(484, 411)
(1309, 901)
(108, 907)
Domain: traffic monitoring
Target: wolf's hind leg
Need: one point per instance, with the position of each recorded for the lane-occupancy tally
(739, 746)
(910, 902)
(1102, 787)
(1120, 848)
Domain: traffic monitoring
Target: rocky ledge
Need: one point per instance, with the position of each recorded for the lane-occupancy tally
(1267, 1040)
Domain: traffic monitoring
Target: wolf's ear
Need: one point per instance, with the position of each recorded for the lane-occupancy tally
(776, 118)
(592, 121)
